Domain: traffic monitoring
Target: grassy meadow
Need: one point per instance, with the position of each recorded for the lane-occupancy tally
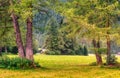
(63, 67)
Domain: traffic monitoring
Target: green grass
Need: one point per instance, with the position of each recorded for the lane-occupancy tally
(63, 67)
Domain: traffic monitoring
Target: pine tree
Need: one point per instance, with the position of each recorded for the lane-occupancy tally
(85, 51)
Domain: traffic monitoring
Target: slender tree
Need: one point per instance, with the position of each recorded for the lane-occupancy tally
(29, 41)
(97, 54)
(17, 32)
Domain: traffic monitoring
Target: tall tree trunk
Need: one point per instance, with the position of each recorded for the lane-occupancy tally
(98, 56)
(29, 41)
(18, 36)
(108, 39)
(108, 50)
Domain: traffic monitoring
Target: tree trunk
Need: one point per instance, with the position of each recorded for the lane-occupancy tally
(18, 36)
(99, 59)
(29, 48)
(108, 49)
(98, 56)
(5, 49)
(108, 40)
(0, 51)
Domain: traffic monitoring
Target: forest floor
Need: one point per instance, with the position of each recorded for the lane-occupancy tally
(61, 66)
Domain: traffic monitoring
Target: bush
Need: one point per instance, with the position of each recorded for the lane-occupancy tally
(102, 50)
(35, 51)
(17, 63)
(112, 60)
(53, 52)
(79, 51)
(14, 50)
(69, 52)
(85, 51)
(93, 64)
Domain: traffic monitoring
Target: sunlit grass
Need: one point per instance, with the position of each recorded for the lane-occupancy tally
(63, 67)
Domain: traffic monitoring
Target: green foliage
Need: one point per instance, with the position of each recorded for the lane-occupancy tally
(53, 52)
(82, 51)
(11, 49)
(67, 67)
(79, 51)
(85, 51)
(67, 46)
(35, 50)
(17, 63)
(52, 34)
(14, 50)
(102, 50)
(68, 52)
(112, 60)
(6, 31)
(93, 64)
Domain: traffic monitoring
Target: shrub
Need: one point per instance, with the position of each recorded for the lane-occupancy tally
(14, 50)
(69, 52)
(53, 52)
(102, 50)
(35, 50)
(85, 51)
(17, 63)
(112, 60)
(93, 64)
(79, 51)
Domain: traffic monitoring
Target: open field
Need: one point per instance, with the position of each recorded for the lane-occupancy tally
(63, 67)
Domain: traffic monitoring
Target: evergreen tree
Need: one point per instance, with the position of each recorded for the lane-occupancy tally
(52, 35)
(95, 17)
(85, 51)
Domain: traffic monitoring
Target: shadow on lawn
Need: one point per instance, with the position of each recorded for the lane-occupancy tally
(105, 66)
(79, 67)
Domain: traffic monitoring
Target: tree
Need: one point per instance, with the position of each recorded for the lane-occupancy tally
(85, 51)
(6, 28)
(26, 14)
(105, 13)
(79, 50)
(29, 41)
(97, 16)
(78, 13)
(17, 32)
(52, 32)
(96, 48)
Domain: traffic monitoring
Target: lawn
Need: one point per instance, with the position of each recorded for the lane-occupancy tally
(63, 67)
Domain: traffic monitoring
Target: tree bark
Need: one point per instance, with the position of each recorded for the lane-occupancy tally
(98, 55)
(108, 40)
(108, 50)
(5, 48)
(0, 51)
(18, 36)
(29, 41)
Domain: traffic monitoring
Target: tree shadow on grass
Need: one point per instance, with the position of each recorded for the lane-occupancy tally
(105, 66)
(26, 69)
(115, 67)
(78, 67)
